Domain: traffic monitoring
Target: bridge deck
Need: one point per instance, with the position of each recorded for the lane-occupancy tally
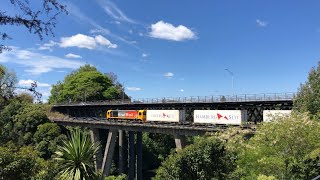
(188, 129)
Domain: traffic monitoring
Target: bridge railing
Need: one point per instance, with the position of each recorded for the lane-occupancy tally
(196, 99)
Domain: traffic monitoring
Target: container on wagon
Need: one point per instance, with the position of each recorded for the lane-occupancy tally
(270, 115)
(228, 117)
(166, 115)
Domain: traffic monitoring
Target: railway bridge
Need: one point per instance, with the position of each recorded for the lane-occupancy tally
(128, 134)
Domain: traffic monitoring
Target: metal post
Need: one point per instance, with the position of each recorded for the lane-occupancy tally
(232, 80)
(122, 149)
(139, 156)
(132, 157)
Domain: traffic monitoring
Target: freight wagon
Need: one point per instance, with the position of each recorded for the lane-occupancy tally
(229, 117)
(269, 115)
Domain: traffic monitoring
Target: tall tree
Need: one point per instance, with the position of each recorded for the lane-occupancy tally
(85, 84)
(76, 157)
(37, 21)
(308, 96)
(7, 81)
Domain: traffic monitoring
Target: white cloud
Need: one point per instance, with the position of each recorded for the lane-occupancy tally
(29, 82)
(48, 46)
(37, 63)
(181, 90)
(84, 41)
(144, 55)
(163, 30)
(113, 11)
(134, 89)
(74, 56)
(261, 23)
(168, 75)
(105, 42)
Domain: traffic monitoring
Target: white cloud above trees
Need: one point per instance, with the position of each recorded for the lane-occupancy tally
(163, 30)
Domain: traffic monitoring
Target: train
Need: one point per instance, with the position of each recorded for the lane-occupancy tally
(223, 117)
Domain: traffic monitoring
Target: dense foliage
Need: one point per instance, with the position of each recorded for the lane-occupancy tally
(288, 148)
(308, 96)
(205, 159)
(27, 124)
(24, 163)
(85, 84)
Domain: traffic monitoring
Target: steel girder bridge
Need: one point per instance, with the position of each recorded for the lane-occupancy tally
(128, 134)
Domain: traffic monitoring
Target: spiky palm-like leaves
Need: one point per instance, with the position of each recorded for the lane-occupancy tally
(76, 157)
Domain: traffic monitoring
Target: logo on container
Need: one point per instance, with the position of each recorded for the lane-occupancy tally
(162, 115)
(217, 116)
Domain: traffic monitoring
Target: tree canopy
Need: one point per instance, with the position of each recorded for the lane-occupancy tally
(39, 21)
(206, 159)
(288, 148)
(308, 96)
(85, 84)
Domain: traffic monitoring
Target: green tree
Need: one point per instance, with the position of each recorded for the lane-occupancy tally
(206, 159)
(46, 139)
(8, 80)
(287, 148)
(38, 21)
(308, 96)
(23, 163)
(85, 84)
(76, 157)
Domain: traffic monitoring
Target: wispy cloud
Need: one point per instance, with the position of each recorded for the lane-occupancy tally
(114, 12)
(28, 82)
(144, 55)
(163, 30)
(37, 63)
(48, 46)
(73, 56)
(76, 12)
(168, 75)
(181, 90)
(134, 89)
(261, 23)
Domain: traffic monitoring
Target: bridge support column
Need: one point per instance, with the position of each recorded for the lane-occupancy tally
(180, 141)
(95, 137)
(123, 152)
(108, 153)
(132, 156)
(139, 156)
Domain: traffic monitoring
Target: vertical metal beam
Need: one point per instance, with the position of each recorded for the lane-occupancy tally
(122, 152)
(108, 152)
(95, 137)
(180, 141)
(139, 156)
(132, 156)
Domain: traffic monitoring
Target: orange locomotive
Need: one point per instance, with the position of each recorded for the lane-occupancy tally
(127, 114)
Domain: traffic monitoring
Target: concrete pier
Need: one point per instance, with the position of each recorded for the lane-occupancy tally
(180, 141)
(108, 152)
(95, 137)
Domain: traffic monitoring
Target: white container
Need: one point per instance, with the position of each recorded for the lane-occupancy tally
(228, 117)
(166, 115)
(269, 115)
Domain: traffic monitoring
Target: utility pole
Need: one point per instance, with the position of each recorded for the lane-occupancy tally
(232, 79)
(123, 92)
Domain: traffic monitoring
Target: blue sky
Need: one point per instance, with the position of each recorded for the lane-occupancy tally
(175, 48)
